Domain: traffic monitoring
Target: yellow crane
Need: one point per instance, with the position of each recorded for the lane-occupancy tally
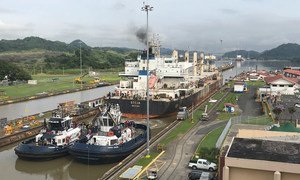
(78, 80)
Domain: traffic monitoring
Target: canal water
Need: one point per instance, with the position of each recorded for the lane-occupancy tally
(23, 109)
(62, 168)
(66, 168)
(248, 65)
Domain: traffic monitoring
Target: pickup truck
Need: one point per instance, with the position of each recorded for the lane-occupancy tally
(182, 113)
(203, 164)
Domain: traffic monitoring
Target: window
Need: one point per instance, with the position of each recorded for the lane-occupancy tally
(64, 140)
(281, 85)
(290, 85)
(274, 85)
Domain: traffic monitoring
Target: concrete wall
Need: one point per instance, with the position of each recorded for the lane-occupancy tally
(289, 176)
(247, 133)
(248, 169)
(249, 174)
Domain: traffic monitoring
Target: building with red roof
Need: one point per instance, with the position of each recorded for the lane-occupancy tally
(293, 73)
(279, 85)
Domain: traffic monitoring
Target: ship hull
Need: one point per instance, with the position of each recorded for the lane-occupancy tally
(159, 108)
(28, 150)
(95, 154)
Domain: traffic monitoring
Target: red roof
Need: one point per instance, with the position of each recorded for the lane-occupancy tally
(292, 71)
(229, 104)
(280, 76)
(264, 74)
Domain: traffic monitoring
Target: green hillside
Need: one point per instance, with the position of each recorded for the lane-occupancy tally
(290, 51)
(33, 53)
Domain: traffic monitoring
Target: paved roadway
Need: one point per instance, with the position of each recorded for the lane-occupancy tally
(178, 153)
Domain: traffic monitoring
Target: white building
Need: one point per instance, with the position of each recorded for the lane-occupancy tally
(278, 85)
(282, 85)
(239, 86)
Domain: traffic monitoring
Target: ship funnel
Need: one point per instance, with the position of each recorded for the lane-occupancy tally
(201, 62)
(186, 56)
(175, 55)
(195, 63)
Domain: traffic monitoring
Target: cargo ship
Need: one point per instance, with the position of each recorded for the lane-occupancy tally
(174, 81)
(109, 140)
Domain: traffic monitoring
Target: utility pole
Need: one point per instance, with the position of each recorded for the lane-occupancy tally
(147, 8)
(80, 64)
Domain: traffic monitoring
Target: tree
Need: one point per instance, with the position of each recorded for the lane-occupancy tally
(13, 72)
(292, 110)
(277, 111)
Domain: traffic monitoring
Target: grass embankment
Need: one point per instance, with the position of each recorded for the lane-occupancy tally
(53, 83)
(230, 98)
(206, 148)
(210, 140)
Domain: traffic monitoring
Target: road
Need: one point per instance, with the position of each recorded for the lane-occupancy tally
(179, 152)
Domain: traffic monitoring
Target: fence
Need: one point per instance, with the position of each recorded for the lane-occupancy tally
(223, 135)
(261, 120)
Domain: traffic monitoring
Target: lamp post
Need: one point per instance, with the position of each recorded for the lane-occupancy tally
(147, 8)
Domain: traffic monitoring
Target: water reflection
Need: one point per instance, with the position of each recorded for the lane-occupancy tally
(61, 168)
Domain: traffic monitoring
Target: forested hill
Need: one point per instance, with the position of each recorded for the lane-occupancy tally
(30, 43)
(289, 51)
(33, 52)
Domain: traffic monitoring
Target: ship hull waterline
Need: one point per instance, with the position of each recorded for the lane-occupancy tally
(138, 108)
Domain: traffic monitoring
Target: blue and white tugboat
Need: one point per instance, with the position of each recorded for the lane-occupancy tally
(52, 142)
(109, 140)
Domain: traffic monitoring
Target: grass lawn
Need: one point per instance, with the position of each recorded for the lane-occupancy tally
(145, 161)
(230, 98)
(178, 131)
(47, 84)
(225, 116)
(261, 120)
(211, 138)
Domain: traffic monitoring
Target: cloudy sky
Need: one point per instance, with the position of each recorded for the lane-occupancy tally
(181, 24)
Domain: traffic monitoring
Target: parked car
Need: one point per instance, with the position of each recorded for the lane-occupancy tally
(203, 164)
(183, 113)
(194, 175)
(200, 175)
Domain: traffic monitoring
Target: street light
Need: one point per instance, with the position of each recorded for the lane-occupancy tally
(147, 8)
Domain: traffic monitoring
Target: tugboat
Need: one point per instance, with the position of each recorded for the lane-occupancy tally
(109, 140)
(52, 142)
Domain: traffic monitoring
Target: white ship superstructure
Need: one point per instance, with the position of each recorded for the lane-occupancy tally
(169, 77)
